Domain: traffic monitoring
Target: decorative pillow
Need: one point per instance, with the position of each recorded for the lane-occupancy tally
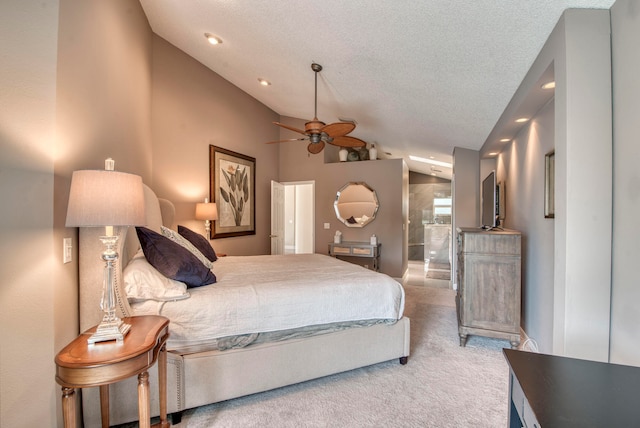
(143, 282)
(179, 239)
(199, 241)
(173, 260)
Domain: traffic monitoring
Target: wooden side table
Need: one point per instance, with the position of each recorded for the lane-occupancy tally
(81, 365)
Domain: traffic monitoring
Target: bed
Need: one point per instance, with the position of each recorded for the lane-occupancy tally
(252, 332)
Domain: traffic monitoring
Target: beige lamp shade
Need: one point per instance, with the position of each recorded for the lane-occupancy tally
(206, 211)
(105, 198)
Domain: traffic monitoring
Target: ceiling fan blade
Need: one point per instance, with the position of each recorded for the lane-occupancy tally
(347, 141)
(315, 148)
(284, 141)
(339, 129)
(290, 128)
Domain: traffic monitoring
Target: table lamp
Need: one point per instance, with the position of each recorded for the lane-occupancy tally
(106, 198)
(206, 211)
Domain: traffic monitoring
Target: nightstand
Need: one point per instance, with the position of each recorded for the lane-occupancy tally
(82, 365)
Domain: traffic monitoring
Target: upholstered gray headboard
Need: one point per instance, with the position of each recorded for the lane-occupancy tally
(92, 267)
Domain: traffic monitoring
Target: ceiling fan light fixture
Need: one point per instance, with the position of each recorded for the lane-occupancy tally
(214, 40)
(319, 133)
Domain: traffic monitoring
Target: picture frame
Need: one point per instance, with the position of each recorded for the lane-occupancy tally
(233, 188)
(549, 184)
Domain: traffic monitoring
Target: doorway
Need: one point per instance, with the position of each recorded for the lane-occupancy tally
(292, 217)
(430, 227)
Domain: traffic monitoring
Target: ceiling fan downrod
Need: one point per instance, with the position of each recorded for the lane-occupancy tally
(317, 68)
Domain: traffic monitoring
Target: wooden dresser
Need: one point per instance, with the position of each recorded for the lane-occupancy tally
(489, 284)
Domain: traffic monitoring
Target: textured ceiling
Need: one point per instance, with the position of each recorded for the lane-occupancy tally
(418, 77)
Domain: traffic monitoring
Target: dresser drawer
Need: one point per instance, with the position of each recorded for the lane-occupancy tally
(363, 251)
(341, 250)
(527, 417)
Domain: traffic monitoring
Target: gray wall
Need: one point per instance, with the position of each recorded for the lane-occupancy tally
(32, 287)
(625, 318)
(571, 316)
(465, 194)
(192, 109)
(521, 166)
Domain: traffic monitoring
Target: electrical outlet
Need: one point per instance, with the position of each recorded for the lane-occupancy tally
(67, 250)
(327, 226)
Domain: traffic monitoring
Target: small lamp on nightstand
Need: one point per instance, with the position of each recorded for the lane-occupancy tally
(106, 198)
(206, 211)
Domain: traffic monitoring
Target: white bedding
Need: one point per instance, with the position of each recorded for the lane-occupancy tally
(256, 294)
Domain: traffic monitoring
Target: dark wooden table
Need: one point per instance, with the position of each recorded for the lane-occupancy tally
(548, 391)
(81, 365)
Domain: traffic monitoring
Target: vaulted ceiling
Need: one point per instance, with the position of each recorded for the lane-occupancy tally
(419, 78)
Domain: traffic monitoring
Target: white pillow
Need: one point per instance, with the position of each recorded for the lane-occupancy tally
(182, 241)
(143, 282)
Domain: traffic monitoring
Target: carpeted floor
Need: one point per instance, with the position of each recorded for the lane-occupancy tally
(443, 385)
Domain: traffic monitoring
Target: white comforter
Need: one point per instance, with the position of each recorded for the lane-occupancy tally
(270, 293)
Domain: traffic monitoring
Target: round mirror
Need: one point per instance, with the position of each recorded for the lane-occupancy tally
(356, 204)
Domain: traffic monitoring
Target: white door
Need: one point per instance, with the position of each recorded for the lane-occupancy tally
(277, 218)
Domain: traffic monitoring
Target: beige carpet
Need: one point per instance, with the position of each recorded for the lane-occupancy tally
(443, 385)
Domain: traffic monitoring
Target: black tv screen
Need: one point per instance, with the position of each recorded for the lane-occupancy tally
(489, 202)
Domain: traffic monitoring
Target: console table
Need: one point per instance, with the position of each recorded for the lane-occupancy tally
(357, 249)
(547, 391)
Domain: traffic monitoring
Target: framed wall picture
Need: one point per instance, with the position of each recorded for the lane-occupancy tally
(549, 184)
(233, 189)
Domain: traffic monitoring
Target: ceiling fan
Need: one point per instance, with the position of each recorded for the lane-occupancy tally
(318, 133)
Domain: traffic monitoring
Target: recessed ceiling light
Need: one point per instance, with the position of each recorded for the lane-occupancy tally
(493, 153)
(430, 161)
(214, 40)
(522, 119)
(264, 82)
(505, 140)
(549, 85)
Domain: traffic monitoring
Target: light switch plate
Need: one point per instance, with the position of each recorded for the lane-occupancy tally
(67, 250)
(327, 226)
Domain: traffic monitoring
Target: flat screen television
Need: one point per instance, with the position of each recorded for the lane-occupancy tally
(489, 201)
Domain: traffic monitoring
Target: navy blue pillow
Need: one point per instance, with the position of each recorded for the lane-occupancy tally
(173, 260)
(198, 241)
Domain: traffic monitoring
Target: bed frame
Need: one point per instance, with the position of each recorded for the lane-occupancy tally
(208, 377)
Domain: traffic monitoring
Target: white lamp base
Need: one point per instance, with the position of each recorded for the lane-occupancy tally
(111, 327)
(110, 331)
